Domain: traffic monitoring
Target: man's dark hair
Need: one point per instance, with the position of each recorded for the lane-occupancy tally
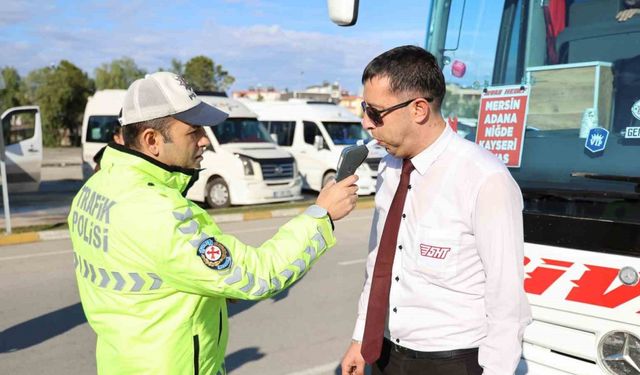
(410, 69)
(130, 132)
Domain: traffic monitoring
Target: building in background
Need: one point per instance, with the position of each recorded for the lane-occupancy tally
(352, 103)
(462, 102)
(326, 92)
(258, 94)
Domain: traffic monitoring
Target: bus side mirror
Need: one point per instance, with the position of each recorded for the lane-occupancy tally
(343, 12)
(318, 142)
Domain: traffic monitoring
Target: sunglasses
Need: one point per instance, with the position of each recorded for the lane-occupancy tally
(376, 115)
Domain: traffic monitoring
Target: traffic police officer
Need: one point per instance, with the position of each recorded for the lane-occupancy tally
(153, 270)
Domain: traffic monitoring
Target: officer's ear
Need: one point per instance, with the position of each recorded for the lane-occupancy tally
(150, 142)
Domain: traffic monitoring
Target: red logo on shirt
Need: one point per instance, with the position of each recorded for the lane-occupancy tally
(434, 251)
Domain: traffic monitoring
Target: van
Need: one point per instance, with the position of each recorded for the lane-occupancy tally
(316, 133)
(22, 139)
(98, 125)
(241, 166)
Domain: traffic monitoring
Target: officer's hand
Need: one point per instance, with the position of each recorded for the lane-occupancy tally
(339, 198)
(353, 363)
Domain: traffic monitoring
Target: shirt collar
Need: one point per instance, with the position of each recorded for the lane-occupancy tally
(429, 155)
(177, 178)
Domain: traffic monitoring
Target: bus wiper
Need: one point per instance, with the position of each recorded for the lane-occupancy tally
(609, 177)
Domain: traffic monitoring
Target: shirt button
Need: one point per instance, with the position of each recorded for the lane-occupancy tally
(397, 341)
(409, 186)
(400, 247)
(404, 215)
(395, 309)
(397, 278)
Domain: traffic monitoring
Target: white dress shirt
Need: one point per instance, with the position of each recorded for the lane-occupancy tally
(457, 278)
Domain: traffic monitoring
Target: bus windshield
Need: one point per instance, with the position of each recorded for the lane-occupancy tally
(346, 133)
(241, 130)
(581, 62)
(101, 128)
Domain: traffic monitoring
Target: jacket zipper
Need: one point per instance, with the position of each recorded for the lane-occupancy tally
(196, 348)
(219, 327)
(196, 355)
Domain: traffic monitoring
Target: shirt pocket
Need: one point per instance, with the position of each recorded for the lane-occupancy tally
(435, 252)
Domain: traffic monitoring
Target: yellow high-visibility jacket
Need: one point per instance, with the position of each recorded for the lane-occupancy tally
(154, 271)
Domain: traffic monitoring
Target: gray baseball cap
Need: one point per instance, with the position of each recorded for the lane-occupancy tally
(167, 94)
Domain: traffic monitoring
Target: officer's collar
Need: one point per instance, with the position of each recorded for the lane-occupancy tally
(174, 177)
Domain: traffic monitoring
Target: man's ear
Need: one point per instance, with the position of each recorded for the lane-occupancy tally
(421, 111)
(150, 141)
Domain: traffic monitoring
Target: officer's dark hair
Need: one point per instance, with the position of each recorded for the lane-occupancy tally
(410, 70)
(131, 132)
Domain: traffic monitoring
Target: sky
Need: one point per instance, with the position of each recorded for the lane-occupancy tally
(281, 43)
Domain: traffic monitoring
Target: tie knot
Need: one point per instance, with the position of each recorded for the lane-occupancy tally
(407, 167)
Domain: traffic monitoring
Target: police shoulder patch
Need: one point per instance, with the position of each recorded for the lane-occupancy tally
(214, 254)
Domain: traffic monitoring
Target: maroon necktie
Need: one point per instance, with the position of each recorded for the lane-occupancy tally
(381, 281)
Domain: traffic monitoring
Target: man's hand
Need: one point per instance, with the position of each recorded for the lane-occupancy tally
(339, 198)
(353, 363)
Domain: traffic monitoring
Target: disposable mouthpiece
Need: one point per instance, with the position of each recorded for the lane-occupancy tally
(369, 144)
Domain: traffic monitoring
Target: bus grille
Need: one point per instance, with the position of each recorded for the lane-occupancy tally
(277, 169)
(373, 164)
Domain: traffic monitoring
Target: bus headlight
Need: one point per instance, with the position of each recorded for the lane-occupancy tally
(628, 276)
(246, 165)
(619, 353)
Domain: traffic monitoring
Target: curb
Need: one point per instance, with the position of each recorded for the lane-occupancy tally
(61, 234)
(61, 164)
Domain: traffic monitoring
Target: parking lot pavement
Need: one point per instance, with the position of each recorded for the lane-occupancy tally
(61, 178)
(47, 207)
(62, 156)
(31, 209)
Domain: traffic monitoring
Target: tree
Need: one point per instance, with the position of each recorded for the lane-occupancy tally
(61, 92)
(118, 74)
(177, 67)
(12, 95)
(203, 74)
(450, 105)
(470, 108)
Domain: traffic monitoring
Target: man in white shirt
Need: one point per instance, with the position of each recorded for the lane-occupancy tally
(445, 266)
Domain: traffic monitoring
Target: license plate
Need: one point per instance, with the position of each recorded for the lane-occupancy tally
(282, 194)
